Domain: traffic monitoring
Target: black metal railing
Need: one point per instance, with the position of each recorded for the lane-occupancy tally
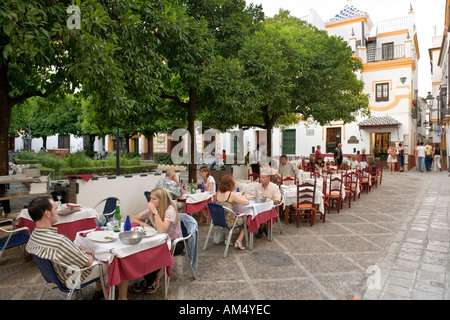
(387, 52)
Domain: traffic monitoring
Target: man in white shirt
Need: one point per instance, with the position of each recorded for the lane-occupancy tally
(286, 169)
(421, 149)
(270, 190)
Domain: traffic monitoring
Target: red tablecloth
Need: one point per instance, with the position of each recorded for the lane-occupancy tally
(85, 177)
(139, 264)
(69, 229)
(253, 224)
(190, 208)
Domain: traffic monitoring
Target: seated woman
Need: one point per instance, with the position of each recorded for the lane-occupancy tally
(163, 215)
(208, 181)
(226, 197)
(354, 162)
(209, 184)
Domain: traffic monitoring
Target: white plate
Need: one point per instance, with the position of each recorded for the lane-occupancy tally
(102, 236)
(149, 232)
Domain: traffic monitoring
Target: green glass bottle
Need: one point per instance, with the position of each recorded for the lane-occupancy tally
(117, 216)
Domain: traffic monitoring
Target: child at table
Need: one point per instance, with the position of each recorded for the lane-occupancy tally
(163, 215)
(226, 197)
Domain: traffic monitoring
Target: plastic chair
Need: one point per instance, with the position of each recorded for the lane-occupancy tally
(185, 239)
(110, 207)
(14, 238)
(217, 213)
(277, 207)
(49, 274)
(147, 195)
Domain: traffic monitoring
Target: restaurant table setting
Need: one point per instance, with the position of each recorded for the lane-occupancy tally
(257, 213)
(196, 202)
(71, 219)
(127, 261)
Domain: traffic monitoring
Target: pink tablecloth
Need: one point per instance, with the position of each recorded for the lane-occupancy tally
(69, 229)
(190, 208)
(253, 224)
(139, 264)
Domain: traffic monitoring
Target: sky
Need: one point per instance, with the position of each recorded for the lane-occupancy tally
(428, 16)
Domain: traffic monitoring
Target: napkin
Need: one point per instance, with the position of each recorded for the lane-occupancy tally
(84, 234)
(68, 205)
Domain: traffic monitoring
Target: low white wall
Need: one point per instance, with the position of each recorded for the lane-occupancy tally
(129, 189)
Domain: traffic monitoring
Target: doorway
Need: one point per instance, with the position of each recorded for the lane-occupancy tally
(333, 139)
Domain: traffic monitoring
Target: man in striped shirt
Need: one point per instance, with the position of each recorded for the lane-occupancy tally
(46, 243)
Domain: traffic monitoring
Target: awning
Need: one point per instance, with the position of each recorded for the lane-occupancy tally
(384, 121)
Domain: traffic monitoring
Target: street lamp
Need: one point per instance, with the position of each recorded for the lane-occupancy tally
(429, 99)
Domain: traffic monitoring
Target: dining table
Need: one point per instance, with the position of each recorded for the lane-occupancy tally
(196, 202)
(71, 219)
(256, 214)
(127, 262)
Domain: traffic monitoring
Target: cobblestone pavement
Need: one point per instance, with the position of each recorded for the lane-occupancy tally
(393, 243)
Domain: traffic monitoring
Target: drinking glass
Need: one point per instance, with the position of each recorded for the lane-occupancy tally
(100, 221)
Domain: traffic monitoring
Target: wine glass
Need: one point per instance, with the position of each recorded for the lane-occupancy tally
(100, 221)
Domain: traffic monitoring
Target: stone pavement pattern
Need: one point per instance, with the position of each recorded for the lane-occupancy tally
(400, 230)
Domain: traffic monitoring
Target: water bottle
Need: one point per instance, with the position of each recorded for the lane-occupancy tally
(203, 187)
(127, 226)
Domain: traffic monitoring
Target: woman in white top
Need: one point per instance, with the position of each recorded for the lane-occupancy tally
(209, 184)
(208, 181)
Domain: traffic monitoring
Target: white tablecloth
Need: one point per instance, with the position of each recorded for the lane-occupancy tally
(253, 208)
(84, 213)
(105, 251)
(197, 197)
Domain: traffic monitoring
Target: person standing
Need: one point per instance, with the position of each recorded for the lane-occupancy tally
(318, 153)
(437, 157)
(338, 156)
(421, 156)
(401, 156)
(258, 157)
(416, 156)
(428, 156)
(392, 157)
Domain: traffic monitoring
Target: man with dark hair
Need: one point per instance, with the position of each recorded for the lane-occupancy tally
(46, 243)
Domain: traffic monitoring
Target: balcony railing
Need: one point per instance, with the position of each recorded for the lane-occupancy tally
(385, 53)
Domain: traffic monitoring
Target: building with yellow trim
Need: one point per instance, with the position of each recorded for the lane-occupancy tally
(440, 111)
(389, 52)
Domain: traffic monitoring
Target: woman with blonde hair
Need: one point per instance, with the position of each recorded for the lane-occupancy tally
(392, 157)
(163, 216)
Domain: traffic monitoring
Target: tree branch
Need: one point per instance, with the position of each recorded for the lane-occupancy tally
(173, 98)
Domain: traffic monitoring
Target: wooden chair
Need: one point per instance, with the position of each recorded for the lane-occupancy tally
(364, 180)
(253, 176)
(373, 175)
(287, 179)
(334, 192)
(350, 181)
(380, 171)
(304, 208)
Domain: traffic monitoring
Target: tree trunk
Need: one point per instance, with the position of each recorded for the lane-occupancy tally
(191, 130)
(5, 118)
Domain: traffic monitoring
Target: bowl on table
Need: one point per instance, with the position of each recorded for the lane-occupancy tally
(261, 200)
(131, 237)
